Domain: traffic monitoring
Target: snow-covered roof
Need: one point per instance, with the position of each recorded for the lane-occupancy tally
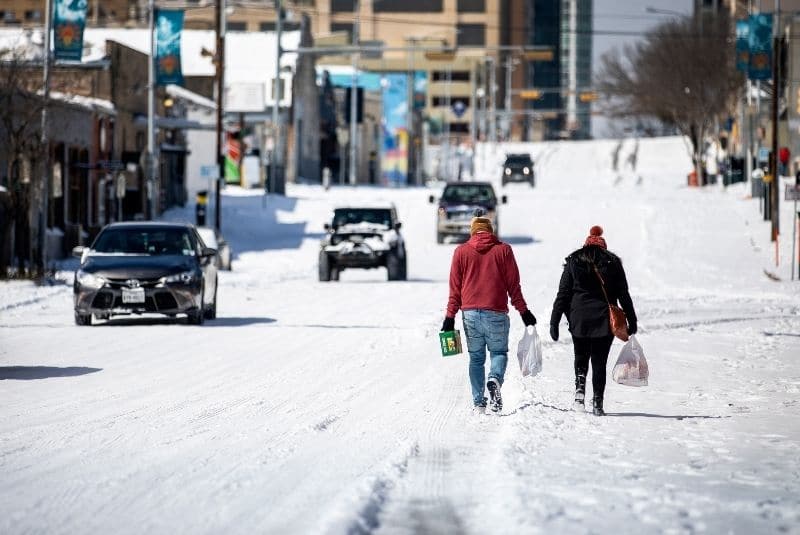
(177, 91)
(89, 103)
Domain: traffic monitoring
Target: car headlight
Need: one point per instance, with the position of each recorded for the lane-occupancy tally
(186, 277)
(508, 171)
(526, 171)
(89, 280)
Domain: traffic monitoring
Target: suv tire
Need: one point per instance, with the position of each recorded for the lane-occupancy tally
(83, 319)
(324, 267)
(395, 267)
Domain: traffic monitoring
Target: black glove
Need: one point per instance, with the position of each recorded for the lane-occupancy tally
(528, 318)
(449, 324)
(554, 331)
(632, 327)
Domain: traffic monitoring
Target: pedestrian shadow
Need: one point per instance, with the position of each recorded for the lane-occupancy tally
(28, 373)
(226, 321)
(668, 416)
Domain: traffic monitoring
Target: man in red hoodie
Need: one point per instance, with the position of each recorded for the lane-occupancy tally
(483, 275)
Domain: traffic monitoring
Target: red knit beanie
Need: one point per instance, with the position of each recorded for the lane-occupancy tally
(596, 237)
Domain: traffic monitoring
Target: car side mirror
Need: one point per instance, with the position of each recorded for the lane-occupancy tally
(208, 252)
(504, 199)
(327, 226)
(398, 225)
(431, 199)
(77, 252)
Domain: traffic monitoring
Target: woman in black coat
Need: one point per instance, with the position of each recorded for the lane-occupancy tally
(580, 297)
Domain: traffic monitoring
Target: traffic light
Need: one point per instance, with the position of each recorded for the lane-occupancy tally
(530, 94)
(359, 105)
(588, 96)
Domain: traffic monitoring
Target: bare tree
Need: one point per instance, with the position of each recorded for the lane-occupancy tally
(683, 73)
(20, 147)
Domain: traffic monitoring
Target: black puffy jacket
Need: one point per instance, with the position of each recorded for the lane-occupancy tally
(580, 295)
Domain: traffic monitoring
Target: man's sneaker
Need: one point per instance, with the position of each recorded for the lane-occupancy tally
(496, 400)
(479, 408)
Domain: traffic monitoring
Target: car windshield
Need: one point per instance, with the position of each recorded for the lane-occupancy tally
(518, 159)
(469, 193)
(350, 216)
(145, 241)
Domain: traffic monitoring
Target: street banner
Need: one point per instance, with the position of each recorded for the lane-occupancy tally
(743, 45)
(169, 25)
(233, 155)
(69, 20)
(760, 39)
(394, 147)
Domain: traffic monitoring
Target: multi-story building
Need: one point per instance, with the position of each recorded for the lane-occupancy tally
(28, 13)
(576, 67)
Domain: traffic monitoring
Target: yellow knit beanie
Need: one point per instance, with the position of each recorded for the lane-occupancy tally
(480, 224)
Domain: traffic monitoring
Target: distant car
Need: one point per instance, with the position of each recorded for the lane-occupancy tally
(133, 268)
(213, 238)
(518, 168)
(457, 207)
(363, 237)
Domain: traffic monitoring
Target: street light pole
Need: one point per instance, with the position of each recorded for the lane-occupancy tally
(219, 55)
(353, 94)
(44, 216)
(151, 111)
(776, 83)
(276, 93)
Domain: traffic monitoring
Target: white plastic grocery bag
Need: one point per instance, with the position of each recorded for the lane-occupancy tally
(631, 367)
(529, 352)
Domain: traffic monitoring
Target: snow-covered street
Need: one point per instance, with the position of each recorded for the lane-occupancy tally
(311, 407)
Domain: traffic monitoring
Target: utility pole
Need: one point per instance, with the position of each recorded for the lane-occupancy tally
(45, 142)
(151, 112)
(510, 62)
(276, 93)
(219, 22)
(493, 103)
(776, 84)
(354, 94)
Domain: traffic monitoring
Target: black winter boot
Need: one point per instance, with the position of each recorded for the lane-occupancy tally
(580, 391)
(597, 403)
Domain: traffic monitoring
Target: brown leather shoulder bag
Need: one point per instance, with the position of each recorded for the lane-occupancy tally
(616, 316)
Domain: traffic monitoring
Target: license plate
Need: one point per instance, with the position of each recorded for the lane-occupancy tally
(133, 295)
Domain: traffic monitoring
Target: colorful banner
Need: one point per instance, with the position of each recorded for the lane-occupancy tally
(233, 155)
(69, 20)
(760, 39)
(168, 26)
(394, 148)
(743, 45)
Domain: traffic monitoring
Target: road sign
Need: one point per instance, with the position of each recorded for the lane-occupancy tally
(544, 54)
(459, 108)
(209, 171)
(530, 94)
(763, 154)
(792, 192)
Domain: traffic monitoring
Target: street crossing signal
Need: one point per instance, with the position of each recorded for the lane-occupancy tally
(588, 96)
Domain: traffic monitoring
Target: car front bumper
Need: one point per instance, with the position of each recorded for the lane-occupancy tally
(161, 298)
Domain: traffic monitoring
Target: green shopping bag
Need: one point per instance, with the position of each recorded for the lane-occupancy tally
(450, 342)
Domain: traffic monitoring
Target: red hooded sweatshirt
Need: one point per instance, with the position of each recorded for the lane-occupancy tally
(483, 275)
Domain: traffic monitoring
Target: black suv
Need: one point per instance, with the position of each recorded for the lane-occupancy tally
(363, 238)
(457, 207)
(518, 168)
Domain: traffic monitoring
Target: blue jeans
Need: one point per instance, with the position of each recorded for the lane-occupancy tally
(485, 328)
